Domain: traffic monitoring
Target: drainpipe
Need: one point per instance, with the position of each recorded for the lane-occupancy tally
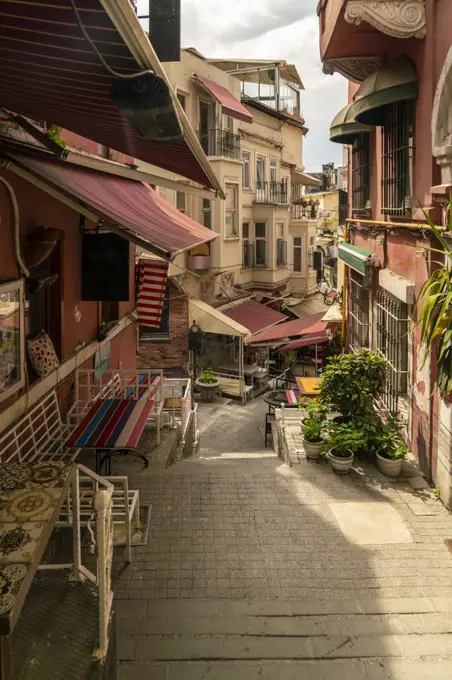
(15, 205)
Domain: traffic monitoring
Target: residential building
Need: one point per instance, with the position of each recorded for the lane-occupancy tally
(249, 122)
(398, 129)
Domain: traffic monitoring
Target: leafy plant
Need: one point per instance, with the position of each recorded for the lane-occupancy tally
(314, 408)
(345, 440)
(312, 430)
(53, 131)
(207, 377)
(388, 441)
(433, 311)
(352, 382)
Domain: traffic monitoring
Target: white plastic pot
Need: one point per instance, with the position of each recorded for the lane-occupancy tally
(341, 465)
(312, 450)
(389, 467)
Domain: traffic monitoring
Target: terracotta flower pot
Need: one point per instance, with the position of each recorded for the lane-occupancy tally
(388, 466)
(313, 450)
(341, 466)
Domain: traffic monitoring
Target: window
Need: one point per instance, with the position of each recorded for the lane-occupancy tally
(231, 211)
(311, 252)
(246, 179)
(260, 172)
(280, 229)
(358, 314)
(207, 213)
(227, 123)
(273, 170)
(150, 334)
(12, 338)
(360, 173)
(183, 100)
(180, 202)
(397, 159)
(260, 233)
(285, 190)
(298, 254)
(248, 250)
(391, 341)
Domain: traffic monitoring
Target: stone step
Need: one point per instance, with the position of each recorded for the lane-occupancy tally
(372, 669)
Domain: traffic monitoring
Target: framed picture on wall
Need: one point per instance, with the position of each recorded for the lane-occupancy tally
(12, 338)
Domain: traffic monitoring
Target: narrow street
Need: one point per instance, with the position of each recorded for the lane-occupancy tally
(254, 569)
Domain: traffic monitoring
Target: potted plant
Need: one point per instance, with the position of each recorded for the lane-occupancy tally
(352, 382)
(313, 408)
(390, 449)
(208, 385)
(343, 441)
(313, 441)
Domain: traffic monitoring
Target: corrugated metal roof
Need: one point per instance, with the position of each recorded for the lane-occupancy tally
(254, 316)
(49, 71)
(290, 329)
(134, 206)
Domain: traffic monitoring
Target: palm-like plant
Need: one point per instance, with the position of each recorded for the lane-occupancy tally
(433, 312)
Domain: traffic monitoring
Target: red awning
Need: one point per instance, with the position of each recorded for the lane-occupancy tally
(254, 316)
(50, 72)
(290, 329)
(230, 105)
(132, 206)
(319, 338)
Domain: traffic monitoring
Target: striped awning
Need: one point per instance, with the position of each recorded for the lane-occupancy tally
(152, 276)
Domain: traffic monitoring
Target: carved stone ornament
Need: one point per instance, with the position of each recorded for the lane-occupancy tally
(399, 18)
(355, 69)
(442, 121)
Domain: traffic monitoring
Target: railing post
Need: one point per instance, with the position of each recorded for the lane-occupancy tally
(76, 532)
(102, 505)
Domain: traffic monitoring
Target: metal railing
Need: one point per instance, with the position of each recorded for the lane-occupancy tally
(281, 252)
(272, 193)
(220, 143)
(305, 212)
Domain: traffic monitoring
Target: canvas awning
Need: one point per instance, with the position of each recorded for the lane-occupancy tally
(312, 305)
(210, 320)
(298, 176)
(395, 81)
(356, 258)
(132, 209)
(344, 128)
(253, 315)
(51, 72)
(291, 329)
(229, 104)
(319, 338)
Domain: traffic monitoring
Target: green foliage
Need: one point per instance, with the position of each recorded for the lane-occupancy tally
(53, 131)
(351, 382)
(312, 430)
(207, 377)
(345, 439)
(433, 311)
(314, 408)
(388, 441)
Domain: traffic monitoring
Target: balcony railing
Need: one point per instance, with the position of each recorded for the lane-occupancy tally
(272, 193)
(281, 252)
(248, 256)
(305, 212)
(220, 143)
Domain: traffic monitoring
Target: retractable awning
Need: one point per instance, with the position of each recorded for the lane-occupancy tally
(291, 329)
(395, 81)
(51, 72)
(319, 338)
(344, 128)
(253, 315)
(210, 320)
(298, 176)
(229, 104)
(132, 209)
(356, 258)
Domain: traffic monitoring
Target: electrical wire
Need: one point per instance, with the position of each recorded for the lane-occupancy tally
(109, 69)
(15, 205)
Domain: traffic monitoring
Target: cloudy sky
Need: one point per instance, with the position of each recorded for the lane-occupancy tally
(272, 29)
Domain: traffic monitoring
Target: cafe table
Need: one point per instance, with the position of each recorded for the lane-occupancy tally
(309, 387)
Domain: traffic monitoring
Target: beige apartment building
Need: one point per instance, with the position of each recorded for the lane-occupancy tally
(249, 122)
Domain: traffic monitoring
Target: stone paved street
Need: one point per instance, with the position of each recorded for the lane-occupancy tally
(251, 570)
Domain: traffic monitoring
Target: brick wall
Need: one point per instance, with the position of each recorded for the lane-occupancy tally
(172, 353)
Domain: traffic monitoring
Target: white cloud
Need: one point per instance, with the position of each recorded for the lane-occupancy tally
(272, 29)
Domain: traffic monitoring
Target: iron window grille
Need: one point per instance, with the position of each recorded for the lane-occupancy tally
(397, 159)
(361, 173)
(281, 252)
(392, 324)
(358, 311)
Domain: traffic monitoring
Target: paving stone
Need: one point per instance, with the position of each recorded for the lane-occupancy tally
(314, 670)
(415, 669)
(254, 608)
(130, 608)
(215, 671)
(267, 648)
(136, 671)
(396, 605)
(418, 483)
(154, 648)
(125, 647)
(313, 606)
(442, 604)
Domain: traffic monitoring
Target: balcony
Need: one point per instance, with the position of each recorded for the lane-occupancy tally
(272, 193)
(281, 253)
(220, 143)
(305, 212)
